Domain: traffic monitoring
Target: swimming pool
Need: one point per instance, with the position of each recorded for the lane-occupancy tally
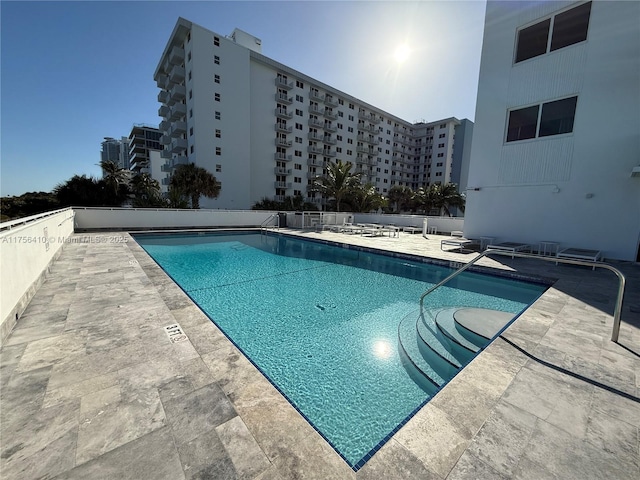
(322, 323)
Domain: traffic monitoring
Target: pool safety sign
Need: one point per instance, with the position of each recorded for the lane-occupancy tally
(175, 333)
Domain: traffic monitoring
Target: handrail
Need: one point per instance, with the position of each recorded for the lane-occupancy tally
(618, 308)
(263, 225)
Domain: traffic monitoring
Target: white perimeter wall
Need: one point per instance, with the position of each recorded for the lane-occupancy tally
(575, 189)
(26, 251)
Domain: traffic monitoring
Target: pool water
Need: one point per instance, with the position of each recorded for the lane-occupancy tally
(321, 322)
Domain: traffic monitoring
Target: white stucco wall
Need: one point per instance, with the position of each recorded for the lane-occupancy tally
(26, 251)
(575, 188)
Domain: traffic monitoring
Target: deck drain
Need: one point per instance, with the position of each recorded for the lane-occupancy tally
(175, 333)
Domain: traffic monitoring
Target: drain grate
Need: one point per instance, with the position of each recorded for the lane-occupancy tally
(175, 333)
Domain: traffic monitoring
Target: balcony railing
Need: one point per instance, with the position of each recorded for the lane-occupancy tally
(178, 128)
(312, 175)
(163, 111)
(329, 127)
(283, 98)
(330, 101)
(328, 153)
(329, 113)
(367, 150)
(282, 171)
(178, 145)
(368, 128)
(177, 74)
(178, 111)
(369, 117)
(282, 142)
(282, 157)
(162, 81)
(176, 56)
(165, 139)
(316, 150)
(281, 127)
(315, 136)
(282, 113)
(314, 162)
(315, 123)
(177, 93)
(166, 181)
(315, 110)
(328, 140)
(166, 153)
(368, 139)
(166, 167)
(282, 184)
(316, 96)
(282, 83)
(162, 96)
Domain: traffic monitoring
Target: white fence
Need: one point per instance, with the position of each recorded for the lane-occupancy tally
(99, 218)
(440, 224)
(27, 248)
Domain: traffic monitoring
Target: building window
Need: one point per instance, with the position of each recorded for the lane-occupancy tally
(298, 126)
(216, 41)
(442, 135)
(351, 118)
(440, 155)
(299, 98)
(218, 133)
(297, 180)
(188, 56)
(297, 166)
(569, 27)
(298, 112)
(216, 59)
(339, 137)
(340, 114)
(189, 74)
(191, 149)
(350, 129)
(218, 151)
(297, 153)
(441, 145)
(298, 139)
(350, 140)
(340, 101)
(338, 149)
(189, 37)
(216, 97)
(217, 115)
(190, 112)
(299, 84)
(191, 132)
(190, 94)
(557, 117)
(218, 167)
(351, 106)
(216, 78)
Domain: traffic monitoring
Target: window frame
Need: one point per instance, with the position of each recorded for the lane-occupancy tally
(540, 106)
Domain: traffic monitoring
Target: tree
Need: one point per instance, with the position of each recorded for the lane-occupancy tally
(447, 196)
(84, 191)
(290, 204)
(177, 198)
(424, 199)
(116, 179)
(27, 204)
(146, 191)
(365, 198)
(195, 182)
(400, 198)
(338, 181)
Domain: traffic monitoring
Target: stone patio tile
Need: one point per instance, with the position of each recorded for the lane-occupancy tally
(102, 431)
(50, 317)
(149, 374)
(152, 455)
(471, 468)
(615, 436)
(394, 462)
(190, 316)
(581, 344)
(9, 358)
(32, 334)
(231, 369)
(533, 392)
(247, 457)
(100, 400)
(79, 389)
(549, 355)
(198, 412)
(179, 352)
(197, 372)
(502, 439)
(41, 444)
(23, 395)
(206, 337)
(205, 457)
(270, 474)
(617, 406)
(619, 360)
(49, 351)
(434, 439)
(619, 378)
(566, 457)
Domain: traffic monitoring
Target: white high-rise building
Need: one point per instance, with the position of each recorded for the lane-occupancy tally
(556, 143)
(266, 130)
(117, 151)
(145, 153)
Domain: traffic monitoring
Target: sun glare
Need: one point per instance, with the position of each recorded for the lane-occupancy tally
(402, 53)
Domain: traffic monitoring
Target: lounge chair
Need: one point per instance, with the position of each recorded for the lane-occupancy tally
(512, 247)
(412, 229)
(580, 254)
(460, 243)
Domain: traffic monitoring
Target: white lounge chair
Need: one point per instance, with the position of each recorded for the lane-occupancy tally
(512, 247)
(460, 243)
(580, 254)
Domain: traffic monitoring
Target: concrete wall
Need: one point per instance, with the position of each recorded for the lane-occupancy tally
(26, 252)
(134, 218)
(574, 188)
(443, 224)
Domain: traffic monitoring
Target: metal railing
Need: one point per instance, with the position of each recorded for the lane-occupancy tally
(264, 225)
(621, 279)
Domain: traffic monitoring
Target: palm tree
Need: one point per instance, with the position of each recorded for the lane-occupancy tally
(365, 198)
(338, 181)
(146, 191)
(84, 191)
(114, 177)
(400, 198)
(176, 198)
(447, 196)
(424, 198)
(195, 182)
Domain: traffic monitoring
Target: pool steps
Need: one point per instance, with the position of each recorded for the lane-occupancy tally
(437, 345)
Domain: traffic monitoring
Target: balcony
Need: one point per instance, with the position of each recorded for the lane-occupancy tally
(163, 111)
(282, 83)
(177, 74)
(282, 171)
(314, 122)
(282, 127)
(316, 96)
(166, 167)
(178, 128)
(315, 162)
(181, 160)
(178, 145)
(315, 136)
(178, 93)
(282, 157)
(166, 181)
(312, 175)
(328, 152)
(165, 154)
(283, 98)
(162, 81)
(400, 149)
(162, 96)
(330, 101)
(282, 184)
(316, 150)
(315, 110)
(283, 142)
(178, 111)
(165, 139)
(282, 113)
(369, 117)
(367, 150)
(164, 126)
(176, 56)
(368, 139)
(328, 140)
(329, 113)
(329, 128)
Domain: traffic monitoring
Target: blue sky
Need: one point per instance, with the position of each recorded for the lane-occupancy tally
(75, 72)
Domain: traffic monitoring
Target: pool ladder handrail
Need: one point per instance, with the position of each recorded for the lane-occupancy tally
(621, 279)
(264, 227)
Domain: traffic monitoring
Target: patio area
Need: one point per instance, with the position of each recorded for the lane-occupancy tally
(91, 386)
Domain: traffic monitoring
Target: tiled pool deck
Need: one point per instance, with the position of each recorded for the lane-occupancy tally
(91, 386)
